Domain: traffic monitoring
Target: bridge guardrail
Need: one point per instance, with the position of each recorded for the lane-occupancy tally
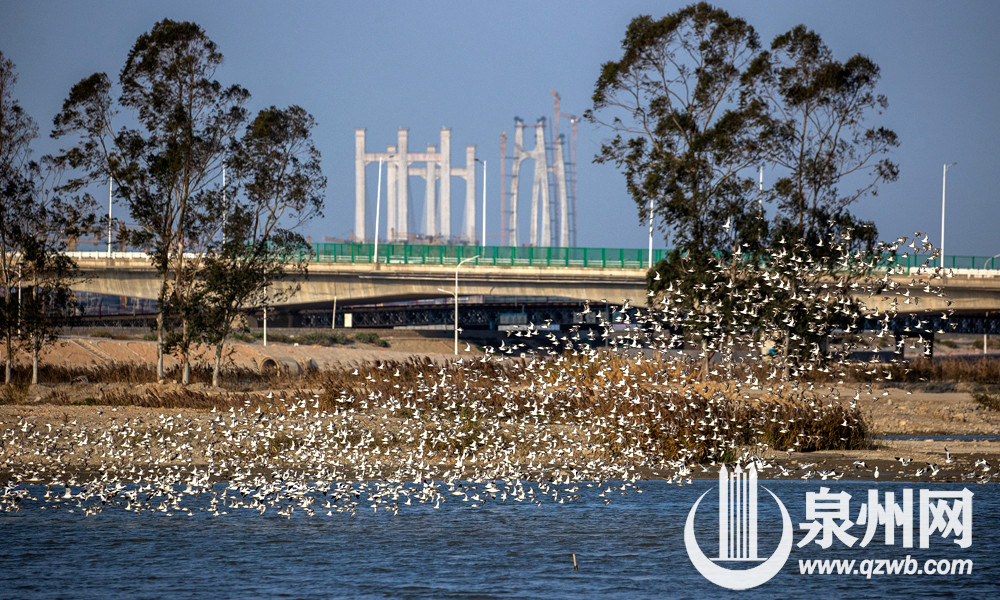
(532, 256)
(584, 257)
(511, 256)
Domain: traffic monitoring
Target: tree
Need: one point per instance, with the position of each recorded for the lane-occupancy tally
(686, 129)
(17, 129)
(35, 272)
(687, 133)
(829, 155)
(278, 167)
(47, 272)
(696, 106)
(168, 168)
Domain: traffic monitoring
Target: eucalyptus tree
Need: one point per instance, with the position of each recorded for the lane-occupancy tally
(688, 134)
(828, 153)
(166, 154)
(35, 272)
(17, 129)
(277, 167)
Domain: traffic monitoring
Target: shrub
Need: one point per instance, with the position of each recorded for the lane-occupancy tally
(322, 338)
(987, 400)
(13, 393)
(367, 337)
(274, 337)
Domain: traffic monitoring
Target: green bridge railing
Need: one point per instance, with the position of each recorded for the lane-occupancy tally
(530, 256)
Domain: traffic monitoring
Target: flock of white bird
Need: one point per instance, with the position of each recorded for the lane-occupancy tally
(542, 418)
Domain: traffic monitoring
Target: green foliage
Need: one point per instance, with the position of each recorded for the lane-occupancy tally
(784, 301)
(322, 338)
(822, 143)
(367, 337)
(274, 337)
(167, 167)
(169, 173)
(695, 105)
(35, 220)
(686, 129)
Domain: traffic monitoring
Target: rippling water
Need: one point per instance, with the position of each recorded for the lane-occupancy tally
(630, 548)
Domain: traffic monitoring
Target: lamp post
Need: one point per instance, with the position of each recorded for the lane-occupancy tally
(483, 243)
(649, 260)
(985, 334)
(944, 181)
(225, 207)
(111, 188)
(460, 263)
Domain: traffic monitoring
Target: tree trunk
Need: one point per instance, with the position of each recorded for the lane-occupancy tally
(10, 345)
(35, 345)
(10, 358)
(186, 353)
(217, 368)
(159, 345)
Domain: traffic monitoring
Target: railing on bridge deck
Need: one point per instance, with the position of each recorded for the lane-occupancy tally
(510, 256)
(531, 256)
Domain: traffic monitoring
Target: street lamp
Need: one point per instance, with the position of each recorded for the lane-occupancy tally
(484, 200)
(111, 195)
(944, 181)
(649, 259)
(460, 263)
(985, 334)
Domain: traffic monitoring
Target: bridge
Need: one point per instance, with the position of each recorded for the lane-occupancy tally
(359, 285)
(355, 274)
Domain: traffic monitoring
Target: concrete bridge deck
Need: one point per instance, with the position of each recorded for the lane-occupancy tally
(975, 291)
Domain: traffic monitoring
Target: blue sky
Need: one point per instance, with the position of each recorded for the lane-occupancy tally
(474, 66)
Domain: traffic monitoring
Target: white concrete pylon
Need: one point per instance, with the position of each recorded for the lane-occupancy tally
(360, 160)
(402, 182)
(445, 205)
(540, 190)
(560, 173)
(430, 200)
(469, 220)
